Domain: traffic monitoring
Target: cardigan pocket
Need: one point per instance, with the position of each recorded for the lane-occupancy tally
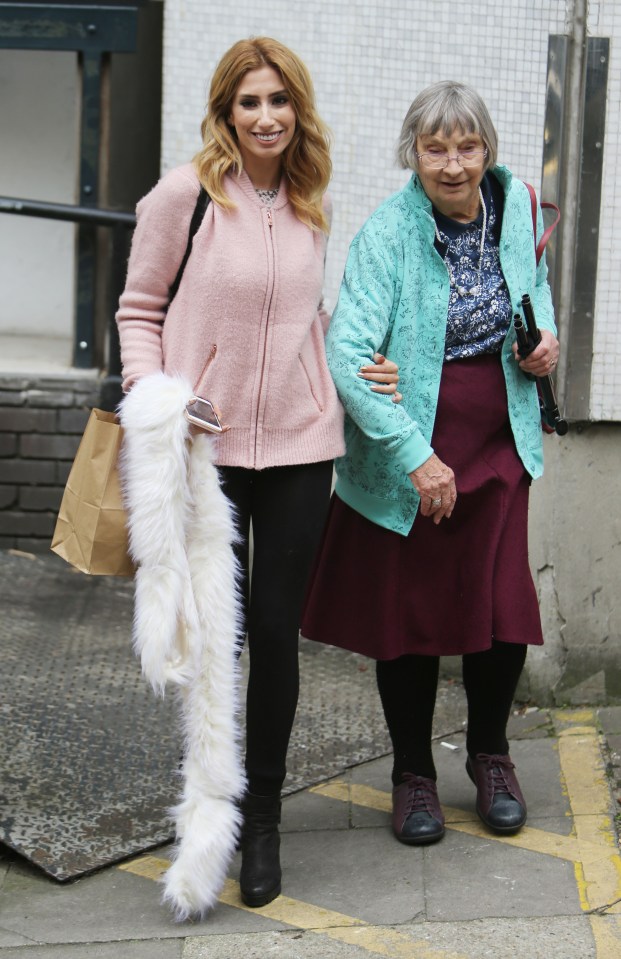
(310, 384)
(200, 383)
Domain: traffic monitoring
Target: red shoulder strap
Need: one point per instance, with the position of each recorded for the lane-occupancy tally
(547, 233)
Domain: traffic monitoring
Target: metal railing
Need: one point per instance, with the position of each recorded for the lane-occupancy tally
(121, 223)
(93, 31)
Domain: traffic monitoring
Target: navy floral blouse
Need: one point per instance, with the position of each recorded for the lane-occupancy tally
(479, 312)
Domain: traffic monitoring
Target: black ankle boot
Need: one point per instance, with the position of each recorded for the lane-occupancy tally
(260, 847)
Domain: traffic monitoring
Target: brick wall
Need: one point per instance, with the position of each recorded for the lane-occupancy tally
(41, 422)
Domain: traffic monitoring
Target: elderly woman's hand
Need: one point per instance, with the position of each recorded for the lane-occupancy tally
(435, 484)
(385, 374)
(542, 361)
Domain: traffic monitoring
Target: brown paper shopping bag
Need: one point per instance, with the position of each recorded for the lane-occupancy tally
(91, 531)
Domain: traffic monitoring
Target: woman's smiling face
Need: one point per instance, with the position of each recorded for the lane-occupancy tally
(454, 189)
(263, 118)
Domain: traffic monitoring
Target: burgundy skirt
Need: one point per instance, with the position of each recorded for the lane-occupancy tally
(442, 590)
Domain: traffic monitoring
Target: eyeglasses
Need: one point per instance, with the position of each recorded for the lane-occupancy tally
(438, 161)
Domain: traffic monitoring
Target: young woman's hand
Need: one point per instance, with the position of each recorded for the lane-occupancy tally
(385, 374)
(199, 431)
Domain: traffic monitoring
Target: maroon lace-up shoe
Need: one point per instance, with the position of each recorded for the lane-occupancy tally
(500, 803)
(416, 815)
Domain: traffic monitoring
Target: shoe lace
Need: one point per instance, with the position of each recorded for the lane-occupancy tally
(421, 794)
(497, 769)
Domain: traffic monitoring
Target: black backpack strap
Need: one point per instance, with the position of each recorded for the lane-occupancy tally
(197, 218)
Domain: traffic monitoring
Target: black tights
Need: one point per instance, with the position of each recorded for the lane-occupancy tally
(287, 507)
(407, 688)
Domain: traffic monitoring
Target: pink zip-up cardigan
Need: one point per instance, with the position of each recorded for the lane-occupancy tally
(247, 325)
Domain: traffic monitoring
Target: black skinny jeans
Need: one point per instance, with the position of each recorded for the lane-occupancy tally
(287, 507)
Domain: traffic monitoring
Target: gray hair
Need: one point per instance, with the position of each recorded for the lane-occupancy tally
(446, 106)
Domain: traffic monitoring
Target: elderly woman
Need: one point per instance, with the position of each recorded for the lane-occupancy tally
(428, 524)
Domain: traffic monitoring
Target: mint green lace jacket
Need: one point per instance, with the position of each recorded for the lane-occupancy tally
(394, 299)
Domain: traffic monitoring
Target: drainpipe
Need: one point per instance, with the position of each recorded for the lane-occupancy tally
(570, 181)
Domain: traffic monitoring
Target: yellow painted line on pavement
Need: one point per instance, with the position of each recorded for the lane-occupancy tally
(149, 867)
(592, 849)
(607, 935)
(533, 840)
(380, 941)
(588, 792)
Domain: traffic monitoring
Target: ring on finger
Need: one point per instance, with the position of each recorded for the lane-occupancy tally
(436, 502)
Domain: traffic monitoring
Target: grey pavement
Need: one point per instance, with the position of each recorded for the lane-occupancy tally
(350, 890)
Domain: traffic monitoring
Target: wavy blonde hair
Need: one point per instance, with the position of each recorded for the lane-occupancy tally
(306, 160)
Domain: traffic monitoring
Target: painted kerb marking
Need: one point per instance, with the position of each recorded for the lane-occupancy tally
(592, 849)
(598, 877)
(380, 941)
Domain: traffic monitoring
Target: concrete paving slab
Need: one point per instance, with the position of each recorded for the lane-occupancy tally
(112, 905)
(614, 745)
(610, 718)
(362, 873)
(289, 945)
(539, 770)
(377, 775)
(480, 939)
(529, 722)
(304, 812)
(151, 949)
(469, 877)
(8, 938)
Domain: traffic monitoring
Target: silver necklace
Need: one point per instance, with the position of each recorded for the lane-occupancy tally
(476, 289)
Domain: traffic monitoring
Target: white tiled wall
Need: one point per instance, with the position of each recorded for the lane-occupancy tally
(369, 59)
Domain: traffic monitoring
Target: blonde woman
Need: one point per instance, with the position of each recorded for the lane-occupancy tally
(246, 329)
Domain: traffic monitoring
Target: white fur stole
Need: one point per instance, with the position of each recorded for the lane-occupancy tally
(186, 619)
